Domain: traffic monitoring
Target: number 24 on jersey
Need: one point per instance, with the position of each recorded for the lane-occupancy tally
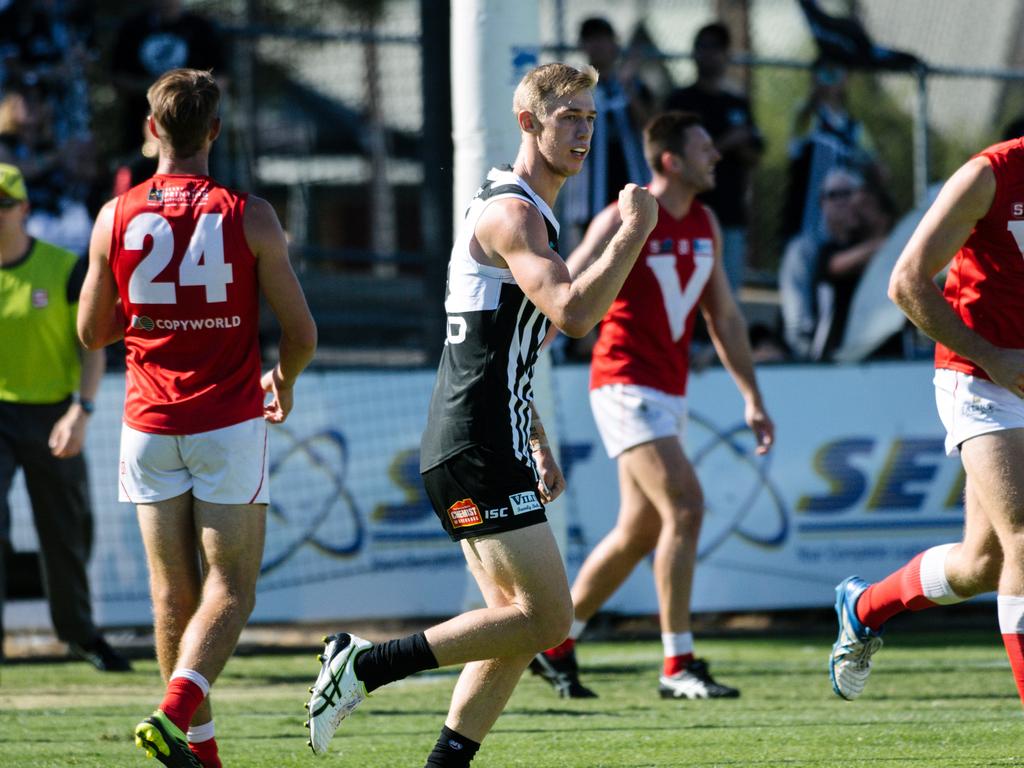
(203, 263)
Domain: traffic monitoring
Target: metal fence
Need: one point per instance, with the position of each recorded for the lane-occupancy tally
(329, 119)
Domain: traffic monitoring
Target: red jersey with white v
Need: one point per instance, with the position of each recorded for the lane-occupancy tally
(188, 286)
(645, 336)
(985, 285)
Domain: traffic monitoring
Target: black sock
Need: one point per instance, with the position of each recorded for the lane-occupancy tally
(386, 662)
(452, 751)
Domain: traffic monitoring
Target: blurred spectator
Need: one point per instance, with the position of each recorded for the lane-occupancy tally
(42, 426)
(726, 115)
(160, 38)
(624, 105)
(827, 135)
(799, 270)
(48, 44)
(841, 271)
(58, 174)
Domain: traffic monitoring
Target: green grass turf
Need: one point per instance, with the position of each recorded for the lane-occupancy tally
(936, 699)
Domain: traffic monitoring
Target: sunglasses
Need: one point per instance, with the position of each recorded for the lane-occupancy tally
(837, 194)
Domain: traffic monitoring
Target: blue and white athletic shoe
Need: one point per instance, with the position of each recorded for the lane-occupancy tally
(850, 663)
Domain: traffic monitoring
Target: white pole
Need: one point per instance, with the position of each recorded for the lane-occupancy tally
(494, 43)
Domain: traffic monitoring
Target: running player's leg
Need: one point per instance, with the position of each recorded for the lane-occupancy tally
(610, 563)
(662, 472)
(972, 567)
(231, 545)
(993, 464)
(941, 575)
(526, 567)
(169, 537)
(506, 580)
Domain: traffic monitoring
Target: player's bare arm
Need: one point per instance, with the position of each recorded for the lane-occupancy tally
(728, 331)
(963, 201)
(551, 482)
(513, 233)
(100, 321)
(281, 288)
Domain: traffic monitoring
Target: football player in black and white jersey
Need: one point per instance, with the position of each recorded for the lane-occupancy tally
(486, 464)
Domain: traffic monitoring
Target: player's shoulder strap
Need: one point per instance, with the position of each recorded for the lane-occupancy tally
(501, 182)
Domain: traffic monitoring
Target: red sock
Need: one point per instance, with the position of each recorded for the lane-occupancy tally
(899, 591)
(562, 650)
(674, 664)
(181, 701)
(206, 751)
(1015, 651)
(1011, 625)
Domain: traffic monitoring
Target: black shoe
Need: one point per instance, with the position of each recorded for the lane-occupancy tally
(563, 674)
(101, 655)
(694, 682)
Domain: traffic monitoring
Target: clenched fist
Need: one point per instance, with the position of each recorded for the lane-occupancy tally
(638, 209)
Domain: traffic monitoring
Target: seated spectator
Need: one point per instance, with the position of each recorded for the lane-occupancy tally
(825, 135)
(840, 272)
(799, 269)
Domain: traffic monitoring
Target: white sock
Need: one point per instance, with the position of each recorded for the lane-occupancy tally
(934, 584)
(198, 733)
(1011, 614)
(195, 677)
(576, 629)
(677, 643)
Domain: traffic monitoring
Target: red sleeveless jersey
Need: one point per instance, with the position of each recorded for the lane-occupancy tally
(645, 336)
(187, 282)
(985, 284)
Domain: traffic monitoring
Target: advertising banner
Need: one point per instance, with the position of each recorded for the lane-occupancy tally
(857, 483)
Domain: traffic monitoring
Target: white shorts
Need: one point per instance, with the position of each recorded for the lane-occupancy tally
(628, 415)
(223, 466)
(970, 406)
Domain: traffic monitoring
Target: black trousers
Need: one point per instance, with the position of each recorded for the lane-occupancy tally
(59, 492)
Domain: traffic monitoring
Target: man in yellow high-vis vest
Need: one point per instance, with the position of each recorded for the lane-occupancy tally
(47, 386)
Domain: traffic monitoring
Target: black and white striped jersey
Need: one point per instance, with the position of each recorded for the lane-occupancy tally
(484, 381)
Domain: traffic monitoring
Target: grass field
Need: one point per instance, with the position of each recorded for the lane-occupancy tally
(942, 700)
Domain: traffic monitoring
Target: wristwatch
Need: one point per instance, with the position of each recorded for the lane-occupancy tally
(87, 405)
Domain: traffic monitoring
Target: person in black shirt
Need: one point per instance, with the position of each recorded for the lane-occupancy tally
(624, 104)
(727, 117)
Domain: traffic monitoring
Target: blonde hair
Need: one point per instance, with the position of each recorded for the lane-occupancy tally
(544, 84)
(184, 103)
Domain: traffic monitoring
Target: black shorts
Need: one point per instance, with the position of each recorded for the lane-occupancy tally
(478, 492)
